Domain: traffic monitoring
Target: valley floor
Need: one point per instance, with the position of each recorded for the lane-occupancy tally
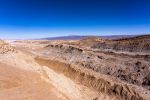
(21, 78)
(73, 70)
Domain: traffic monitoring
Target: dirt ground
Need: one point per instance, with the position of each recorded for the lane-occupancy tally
(18, 84)
(75, 70)
(21, 78)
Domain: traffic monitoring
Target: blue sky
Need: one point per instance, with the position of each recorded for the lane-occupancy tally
(47, 18)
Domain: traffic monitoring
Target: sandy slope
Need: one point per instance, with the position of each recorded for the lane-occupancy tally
(55, 50)
(18, 84)
(21, 78)
(73, 90)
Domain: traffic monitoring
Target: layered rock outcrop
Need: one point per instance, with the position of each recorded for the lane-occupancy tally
(135, 44)
(132, 70)
(100, 83)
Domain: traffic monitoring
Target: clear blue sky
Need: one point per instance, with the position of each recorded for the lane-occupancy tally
(47, 18)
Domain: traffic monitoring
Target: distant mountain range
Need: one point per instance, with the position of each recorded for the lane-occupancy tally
(76, 37)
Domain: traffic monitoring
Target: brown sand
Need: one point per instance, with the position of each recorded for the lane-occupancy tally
(17, 84)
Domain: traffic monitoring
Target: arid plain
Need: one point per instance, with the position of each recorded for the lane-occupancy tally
(92, 68)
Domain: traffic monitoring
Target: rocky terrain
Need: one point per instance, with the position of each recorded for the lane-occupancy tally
(132, 68)
(21, 78)
(134, 44)
(88, 69)
(5, 47)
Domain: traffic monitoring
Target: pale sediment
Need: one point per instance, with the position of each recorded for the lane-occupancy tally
(99, 83)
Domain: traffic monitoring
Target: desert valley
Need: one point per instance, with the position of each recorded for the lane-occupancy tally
(92, 68)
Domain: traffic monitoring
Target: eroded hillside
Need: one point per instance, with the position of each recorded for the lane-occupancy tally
(22, 78)
(119, 68)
